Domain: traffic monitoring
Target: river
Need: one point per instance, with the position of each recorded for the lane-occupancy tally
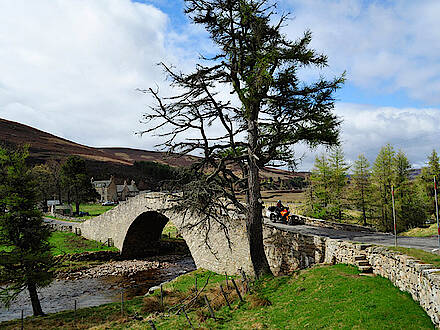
(61, 295)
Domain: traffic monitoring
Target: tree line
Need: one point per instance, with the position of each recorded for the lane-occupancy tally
(336, 188)
(65, 181)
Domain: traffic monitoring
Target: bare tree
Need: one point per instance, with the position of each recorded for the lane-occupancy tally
(251, 90)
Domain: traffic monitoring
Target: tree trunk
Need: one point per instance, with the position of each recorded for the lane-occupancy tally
(36, 306)
(364, 213)
(77, 200)
(254, 220)
(59, 193)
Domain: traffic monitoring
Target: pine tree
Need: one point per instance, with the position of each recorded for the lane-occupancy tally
(75, 178)
(338, 181)
(25, 257)
(362, 188)
(319, 188)
(426, 180)
(383, 178)
(410, 209)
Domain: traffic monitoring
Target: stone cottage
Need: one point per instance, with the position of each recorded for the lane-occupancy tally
(127, 190)
(106, 189)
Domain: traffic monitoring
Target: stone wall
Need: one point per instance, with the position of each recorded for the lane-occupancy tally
(289, 251)
(329, 224)
(59, 227)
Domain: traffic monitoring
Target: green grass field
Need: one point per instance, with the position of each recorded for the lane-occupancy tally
(64, 242)
(320, 297)
(93, 209)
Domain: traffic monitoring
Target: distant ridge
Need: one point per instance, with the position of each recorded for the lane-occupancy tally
(102, 161)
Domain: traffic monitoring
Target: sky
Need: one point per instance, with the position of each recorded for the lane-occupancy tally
(73, 67)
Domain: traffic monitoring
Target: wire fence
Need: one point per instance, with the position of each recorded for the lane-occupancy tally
(201, 297)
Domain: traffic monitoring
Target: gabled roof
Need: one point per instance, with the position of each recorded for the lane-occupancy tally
(132, 188)
(120, 187)
(102, 183)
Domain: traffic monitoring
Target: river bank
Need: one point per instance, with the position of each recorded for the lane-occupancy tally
(102, 284)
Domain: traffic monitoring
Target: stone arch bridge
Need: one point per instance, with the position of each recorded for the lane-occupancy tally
(137, 224)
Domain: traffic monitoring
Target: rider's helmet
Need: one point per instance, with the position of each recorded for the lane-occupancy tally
(278, 201)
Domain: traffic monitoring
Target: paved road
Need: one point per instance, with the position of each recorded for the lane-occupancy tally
(424, 243)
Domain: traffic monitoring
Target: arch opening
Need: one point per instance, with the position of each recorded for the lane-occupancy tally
(144, 235)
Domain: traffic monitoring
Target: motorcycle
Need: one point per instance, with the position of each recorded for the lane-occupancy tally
(276, 216)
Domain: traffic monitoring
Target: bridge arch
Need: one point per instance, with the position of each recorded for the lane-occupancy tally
(144, 234)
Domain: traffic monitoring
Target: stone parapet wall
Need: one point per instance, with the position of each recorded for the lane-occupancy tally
(329, 224)
(422, 281)
(59, 227)
(288, 251)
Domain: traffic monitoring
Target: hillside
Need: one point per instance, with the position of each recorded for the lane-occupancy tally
(132, 155)
(101, 162)
(45, 146)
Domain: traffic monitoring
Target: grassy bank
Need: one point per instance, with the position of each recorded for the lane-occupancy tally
(321, 297)
(93, 209)
(65, 242)
(421, 231)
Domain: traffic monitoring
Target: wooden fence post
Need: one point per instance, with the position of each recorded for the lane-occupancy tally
(226, 298)
(236, 289)
(209, 307)
(187, 318)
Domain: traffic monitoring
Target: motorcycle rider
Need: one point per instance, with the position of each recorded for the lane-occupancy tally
(279, 207)
(282, 211)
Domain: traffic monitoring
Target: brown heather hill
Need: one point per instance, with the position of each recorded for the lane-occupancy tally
(44, 146)
(101, 162)
(133, 155)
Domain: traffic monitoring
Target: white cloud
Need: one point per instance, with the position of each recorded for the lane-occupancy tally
(382, 44)
(366, 129)
(72, 67)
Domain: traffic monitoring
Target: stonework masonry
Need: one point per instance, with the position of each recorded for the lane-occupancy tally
(288, 251)
(220, 254)
(328, 224)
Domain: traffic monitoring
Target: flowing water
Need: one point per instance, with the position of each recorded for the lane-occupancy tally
(62, 294)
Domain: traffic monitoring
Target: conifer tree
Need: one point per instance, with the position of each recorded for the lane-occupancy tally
(410, 209)
(383, 178)
(362, 188)
(319, 188)
(426, 180)
(25, 257)
(272, 112)
(338, 181)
